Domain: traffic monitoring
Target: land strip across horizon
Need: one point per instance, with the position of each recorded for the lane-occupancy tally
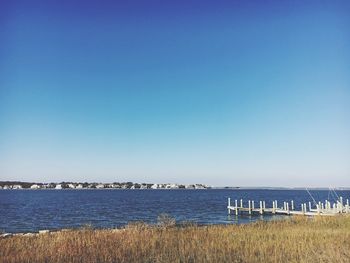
(130, 185)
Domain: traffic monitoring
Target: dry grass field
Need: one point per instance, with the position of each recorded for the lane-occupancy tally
(296, 240)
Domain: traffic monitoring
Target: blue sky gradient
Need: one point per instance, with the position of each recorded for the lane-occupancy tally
(218, 92)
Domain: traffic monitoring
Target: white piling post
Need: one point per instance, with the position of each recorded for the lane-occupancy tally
(236, 207)
(341, 204)
(273, 207)
(261, 208)
(310, 206)
(253, 205)
(229, 205)
(338, 206)
(288, 208)
(264, 205)
(276, 204)
(347, 206)
(241, 203)
(284, 206)
(249, 207)
(292, 204)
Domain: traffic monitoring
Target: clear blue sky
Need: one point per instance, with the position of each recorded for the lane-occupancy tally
(249, 93)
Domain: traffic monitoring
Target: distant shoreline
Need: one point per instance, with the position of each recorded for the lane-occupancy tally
(18, 185)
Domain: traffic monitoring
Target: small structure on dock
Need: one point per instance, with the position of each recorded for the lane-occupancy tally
(322, 209)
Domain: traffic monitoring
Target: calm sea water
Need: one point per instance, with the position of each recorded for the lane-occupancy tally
(30, 210)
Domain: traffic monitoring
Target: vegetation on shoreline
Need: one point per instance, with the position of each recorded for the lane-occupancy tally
(17, 185)
(300, 239)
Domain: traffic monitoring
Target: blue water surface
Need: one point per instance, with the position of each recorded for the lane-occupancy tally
(33, 210)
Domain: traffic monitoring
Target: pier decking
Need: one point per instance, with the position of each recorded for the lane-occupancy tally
(317, 209)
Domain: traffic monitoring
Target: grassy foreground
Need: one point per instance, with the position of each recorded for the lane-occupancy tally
(296, 240)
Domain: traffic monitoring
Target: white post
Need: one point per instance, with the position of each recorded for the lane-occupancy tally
(347, 206)
(284, 206)
(276, 204)
(292, 203)
(341, 204)
(264, 205)
(288, 208)
(236, 207)
(309, 206)
(249, 207)
(241, 203)
(229, 205)
(253, 205)
(261, 208)
(273, 207)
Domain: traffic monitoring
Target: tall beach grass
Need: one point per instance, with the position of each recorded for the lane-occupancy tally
(299, 239)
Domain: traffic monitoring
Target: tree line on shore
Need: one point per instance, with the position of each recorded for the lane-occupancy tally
(79, 185)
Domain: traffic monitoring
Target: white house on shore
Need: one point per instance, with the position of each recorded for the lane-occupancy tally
(58, 186)
(34, 186)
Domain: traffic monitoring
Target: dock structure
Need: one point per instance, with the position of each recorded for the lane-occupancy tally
(307, 209)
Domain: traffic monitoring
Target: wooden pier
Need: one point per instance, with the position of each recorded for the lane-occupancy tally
(307, 209)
